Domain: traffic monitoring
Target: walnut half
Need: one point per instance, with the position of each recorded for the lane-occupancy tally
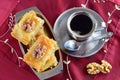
(105, 67)
(28, 25)
(93, 68)
(39, 51)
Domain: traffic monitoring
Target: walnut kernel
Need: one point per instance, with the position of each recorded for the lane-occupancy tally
(106, 67)
(93, 68)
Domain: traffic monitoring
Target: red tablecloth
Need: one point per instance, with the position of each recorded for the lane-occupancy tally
(9, 65)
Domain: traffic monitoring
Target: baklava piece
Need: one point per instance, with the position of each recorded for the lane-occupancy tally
(27, 27)
(41, 55)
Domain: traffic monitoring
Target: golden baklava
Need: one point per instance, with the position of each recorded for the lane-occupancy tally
(40, 55)
(27, 27)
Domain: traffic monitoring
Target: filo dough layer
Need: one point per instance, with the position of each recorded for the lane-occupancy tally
(40, 63)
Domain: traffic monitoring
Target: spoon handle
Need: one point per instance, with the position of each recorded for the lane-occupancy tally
(106, 35)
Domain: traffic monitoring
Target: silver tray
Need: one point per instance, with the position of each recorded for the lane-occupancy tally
(61, 34)
(51, 72)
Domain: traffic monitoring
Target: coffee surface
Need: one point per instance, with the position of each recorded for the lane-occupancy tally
(81, 24)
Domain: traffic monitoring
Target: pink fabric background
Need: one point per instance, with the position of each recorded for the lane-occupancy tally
(9, 69)
(116, 1)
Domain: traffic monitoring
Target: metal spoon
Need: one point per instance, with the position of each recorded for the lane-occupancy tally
(73, 45)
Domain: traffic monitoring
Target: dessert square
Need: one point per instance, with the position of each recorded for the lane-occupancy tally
(40, 55)
(27, 27)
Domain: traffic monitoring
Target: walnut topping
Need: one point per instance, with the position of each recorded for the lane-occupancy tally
(39, 51)
(28, 25)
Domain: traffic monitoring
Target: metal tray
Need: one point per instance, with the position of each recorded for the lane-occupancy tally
(61, 34)
(51, 72)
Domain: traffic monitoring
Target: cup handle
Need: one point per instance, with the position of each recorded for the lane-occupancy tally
(103, 26)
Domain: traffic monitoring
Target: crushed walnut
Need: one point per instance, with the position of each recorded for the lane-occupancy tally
(95, 68)
(39, 51)
(28, 25)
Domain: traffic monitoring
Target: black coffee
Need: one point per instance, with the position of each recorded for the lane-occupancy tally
(81, 24)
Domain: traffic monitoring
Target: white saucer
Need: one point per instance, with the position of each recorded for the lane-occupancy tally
(61, 34)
